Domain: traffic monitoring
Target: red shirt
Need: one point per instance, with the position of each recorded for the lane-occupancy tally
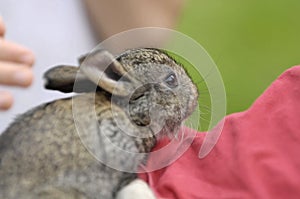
(256, 156)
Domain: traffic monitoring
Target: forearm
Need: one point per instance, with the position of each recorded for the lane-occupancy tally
(111, 17)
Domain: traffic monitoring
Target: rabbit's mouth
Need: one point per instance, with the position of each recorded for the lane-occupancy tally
(139, 106)
(139, 111)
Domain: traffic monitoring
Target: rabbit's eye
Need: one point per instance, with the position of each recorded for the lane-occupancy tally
(171, 80)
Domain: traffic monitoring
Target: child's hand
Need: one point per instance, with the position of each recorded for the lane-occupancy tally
(15, 67)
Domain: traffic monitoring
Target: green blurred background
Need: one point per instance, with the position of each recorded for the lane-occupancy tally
(251, 41)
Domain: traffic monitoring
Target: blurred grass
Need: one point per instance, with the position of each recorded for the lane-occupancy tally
(252, 42)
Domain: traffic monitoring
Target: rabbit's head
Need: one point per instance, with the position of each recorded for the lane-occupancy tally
(155, 87)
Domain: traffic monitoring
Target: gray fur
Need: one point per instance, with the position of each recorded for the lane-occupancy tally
(41, 154)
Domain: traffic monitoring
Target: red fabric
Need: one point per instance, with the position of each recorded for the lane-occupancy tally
(256, 156)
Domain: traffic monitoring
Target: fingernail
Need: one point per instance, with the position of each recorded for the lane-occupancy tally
(27, 59)
(23, 78)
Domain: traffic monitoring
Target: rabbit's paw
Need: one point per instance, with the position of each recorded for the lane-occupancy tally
(137, 189)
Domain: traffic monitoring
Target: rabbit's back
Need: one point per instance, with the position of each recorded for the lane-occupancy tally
(42, 150)
(53, 150)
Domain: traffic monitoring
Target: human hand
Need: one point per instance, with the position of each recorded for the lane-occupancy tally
(15, 67)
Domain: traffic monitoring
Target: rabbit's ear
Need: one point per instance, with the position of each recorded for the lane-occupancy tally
(104, 70)
(62, 78)
(82, 58)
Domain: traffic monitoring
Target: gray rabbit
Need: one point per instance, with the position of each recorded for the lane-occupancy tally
(70, 148)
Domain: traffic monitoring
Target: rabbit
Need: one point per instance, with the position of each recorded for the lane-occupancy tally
(42, 154)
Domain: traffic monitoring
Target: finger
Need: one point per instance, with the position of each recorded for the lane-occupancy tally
(2, 27)
(6, 100)
(15, 74)
(13, 52)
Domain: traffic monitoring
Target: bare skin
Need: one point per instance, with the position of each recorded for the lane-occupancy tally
(15, 67)
(108, 18)
(111, 17)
